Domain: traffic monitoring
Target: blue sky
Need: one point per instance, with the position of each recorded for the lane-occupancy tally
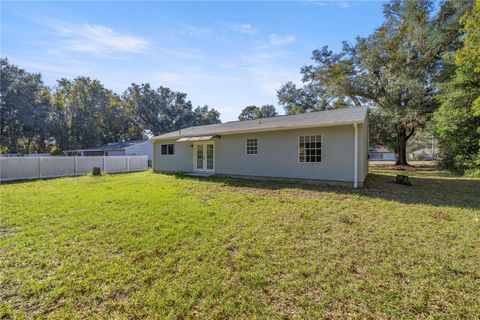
(224, 54)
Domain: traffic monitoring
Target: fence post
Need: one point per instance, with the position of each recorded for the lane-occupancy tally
(74, 165)
(128, 163)
(104, 163)
(39, 168)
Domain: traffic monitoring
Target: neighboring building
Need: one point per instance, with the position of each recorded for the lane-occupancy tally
(424, 154)
(126, 148)
(25, 155)
(380, 153)
(327, 145)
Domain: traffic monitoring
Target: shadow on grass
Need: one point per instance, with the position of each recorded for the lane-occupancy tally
(436, 191)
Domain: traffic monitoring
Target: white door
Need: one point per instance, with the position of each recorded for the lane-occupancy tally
(204, 156)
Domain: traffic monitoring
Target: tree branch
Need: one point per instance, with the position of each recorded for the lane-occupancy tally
(410, 134)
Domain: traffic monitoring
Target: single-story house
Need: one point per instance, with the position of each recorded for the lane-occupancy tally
(25, 155)
(380, 153)
(424, 154)
(124, 148)
(329, 146)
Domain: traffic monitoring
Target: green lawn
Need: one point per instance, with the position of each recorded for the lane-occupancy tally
(145, 245)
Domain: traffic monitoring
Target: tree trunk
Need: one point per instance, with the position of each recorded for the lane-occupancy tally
(28, 145)
(41, 143)
(401, 150)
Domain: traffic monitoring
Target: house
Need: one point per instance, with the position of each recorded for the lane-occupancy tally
(25, 155)
(380, 153)
(124, 148)
(329, 146)
(424, 154)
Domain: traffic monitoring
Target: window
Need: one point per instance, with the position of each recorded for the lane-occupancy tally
(252, 146)
(209, 156)
(168, 149)
(310, 148)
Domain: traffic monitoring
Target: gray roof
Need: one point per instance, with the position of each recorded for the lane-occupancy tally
(303, 120)
(113, 146)
(427, 151)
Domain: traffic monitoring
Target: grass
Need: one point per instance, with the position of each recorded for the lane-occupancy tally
(145, 245)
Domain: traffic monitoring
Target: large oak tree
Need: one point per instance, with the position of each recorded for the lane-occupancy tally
(394, 70)
(458, 118)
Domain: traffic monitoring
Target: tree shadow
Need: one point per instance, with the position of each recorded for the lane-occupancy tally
(429, 190)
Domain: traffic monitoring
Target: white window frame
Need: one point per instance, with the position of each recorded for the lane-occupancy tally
(256, 147)
(194, 154)
(321, 148)
(167, 154)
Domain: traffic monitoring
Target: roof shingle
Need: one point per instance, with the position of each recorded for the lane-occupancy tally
(115, 145)
(303, 120)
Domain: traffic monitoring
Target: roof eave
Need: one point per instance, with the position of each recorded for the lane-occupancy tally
(158, 138)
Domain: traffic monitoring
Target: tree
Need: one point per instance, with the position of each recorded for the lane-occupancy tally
(254, 112)
(394, 70)
(204, 115)
(458, 118)
(249, 113)
(300, 100)
(268, 111)
(163, 110)
(24, 107)
(82, 113)
(80, 107)
(117, 121)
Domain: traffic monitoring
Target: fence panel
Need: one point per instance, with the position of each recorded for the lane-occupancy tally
(23, 168)
(17, 168)
(52, 167)
(116, 164)
(86, 164)
(138, 163)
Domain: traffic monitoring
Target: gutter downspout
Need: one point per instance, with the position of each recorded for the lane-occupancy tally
(355, 155)
(153, 156)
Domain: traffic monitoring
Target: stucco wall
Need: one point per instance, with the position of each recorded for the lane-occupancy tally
(181, 161)
(277, 155)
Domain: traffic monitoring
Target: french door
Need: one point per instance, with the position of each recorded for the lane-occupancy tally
(204, 156)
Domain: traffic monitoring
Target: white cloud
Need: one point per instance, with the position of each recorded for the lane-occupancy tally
(275, 40)
(100, 39)
(316, 2)
(193, 76)
(341, 3)
(171, 78)
(70, 68)
(179, 52)
(195, 31)
(270, 77)
(261, 56)
(244, 28)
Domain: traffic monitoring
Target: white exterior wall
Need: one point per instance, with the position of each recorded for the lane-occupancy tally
(144, 148)
(277, 155)
(181, 161)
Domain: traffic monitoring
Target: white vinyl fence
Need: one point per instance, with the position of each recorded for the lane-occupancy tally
(20, 168)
